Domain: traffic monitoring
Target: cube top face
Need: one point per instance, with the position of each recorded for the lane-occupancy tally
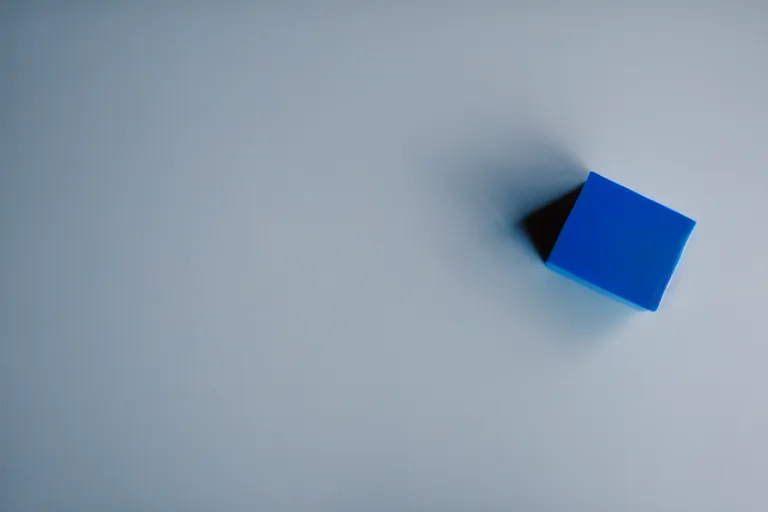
(621, 242)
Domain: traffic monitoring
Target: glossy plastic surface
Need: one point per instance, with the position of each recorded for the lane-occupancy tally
(621, 243)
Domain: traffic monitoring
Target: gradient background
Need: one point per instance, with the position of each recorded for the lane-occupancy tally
(257, 258)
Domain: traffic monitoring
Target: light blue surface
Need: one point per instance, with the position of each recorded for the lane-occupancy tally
(255, 256)
(621, 242)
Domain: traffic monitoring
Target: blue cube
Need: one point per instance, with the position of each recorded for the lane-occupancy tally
(620, 243)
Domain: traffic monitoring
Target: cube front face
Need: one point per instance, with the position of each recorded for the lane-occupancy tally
(620, 242)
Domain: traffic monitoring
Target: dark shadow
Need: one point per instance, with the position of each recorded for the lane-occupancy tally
(507, 204)
(543, 226)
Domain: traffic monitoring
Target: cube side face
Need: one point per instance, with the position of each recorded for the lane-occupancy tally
(621, 242)
(594, 287)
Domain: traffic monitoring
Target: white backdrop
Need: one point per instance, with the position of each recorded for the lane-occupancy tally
(259, 258)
